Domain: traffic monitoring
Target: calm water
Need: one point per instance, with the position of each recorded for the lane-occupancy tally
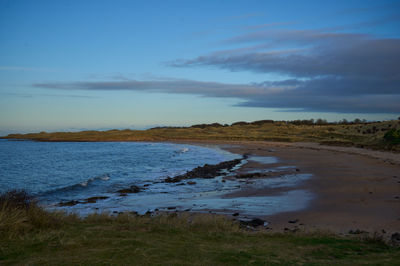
(62, 171)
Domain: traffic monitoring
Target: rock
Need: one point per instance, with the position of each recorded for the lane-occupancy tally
(395, 238)
(293, 221)
(191, 183)
(235, 214)
(357, 232)
(206, 171)
(253, 223)
(68, 203)
(297, 170)
(131, 189)
(95, 199)
(171, 208)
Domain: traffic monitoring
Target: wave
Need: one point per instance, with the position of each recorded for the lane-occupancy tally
(183, 150)
(77, 186)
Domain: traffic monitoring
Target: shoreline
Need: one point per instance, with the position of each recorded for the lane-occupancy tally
(356, 190)
(353, 189)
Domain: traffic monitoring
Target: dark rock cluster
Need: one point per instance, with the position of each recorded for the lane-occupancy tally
(206, 171)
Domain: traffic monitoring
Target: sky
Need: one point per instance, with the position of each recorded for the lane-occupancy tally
(73, 65)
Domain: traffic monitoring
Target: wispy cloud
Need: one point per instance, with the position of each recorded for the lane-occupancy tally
(287, 94)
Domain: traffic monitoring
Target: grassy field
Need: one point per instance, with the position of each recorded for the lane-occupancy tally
(358, 134)
(31, 235)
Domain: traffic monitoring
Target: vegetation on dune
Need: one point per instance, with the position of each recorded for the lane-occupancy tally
(357, 133)
(31, 235)
(392, 136)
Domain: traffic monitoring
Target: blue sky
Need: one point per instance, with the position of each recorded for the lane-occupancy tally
(69, 65)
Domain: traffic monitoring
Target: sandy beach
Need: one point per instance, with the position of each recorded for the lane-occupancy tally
(355, 190)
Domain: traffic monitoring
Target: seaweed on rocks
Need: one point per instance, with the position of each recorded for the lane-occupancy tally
(207, 170)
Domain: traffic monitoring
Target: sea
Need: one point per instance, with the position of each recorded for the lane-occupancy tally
(62, 172)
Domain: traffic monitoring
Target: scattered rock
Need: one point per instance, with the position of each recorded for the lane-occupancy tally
(86, 201)
(235, 214)
(293, 221)
(357, 232)
(206, 171)
(395, 238)
(95, 199)
(131, 189)
(252, 223)
(171, 208)
(68, 203)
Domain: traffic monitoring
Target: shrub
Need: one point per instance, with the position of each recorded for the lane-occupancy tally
(20, 213)
(392, 136)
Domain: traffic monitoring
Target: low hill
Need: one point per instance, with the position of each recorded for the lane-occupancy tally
(377, 135)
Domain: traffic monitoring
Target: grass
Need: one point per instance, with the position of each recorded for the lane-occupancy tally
(370, 135)
(31, 235)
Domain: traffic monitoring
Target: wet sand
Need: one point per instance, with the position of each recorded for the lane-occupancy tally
(354, 189)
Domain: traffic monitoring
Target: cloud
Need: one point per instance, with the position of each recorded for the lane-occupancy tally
(335, 72)
(327, 72)
(290, 94)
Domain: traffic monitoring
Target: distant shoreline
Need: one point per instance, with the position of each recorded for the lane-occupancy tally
(362, 134)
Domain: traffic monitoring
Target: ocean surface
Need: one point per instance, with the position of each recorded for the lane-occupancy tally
(57, 172)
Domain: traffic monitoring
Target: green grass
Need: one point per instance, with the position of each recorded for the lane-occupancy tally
(369, 135)
(36, 237)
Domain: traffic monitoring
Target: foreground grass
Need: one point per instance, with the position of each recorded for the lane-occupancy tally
(30, 235)
(369, 135)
